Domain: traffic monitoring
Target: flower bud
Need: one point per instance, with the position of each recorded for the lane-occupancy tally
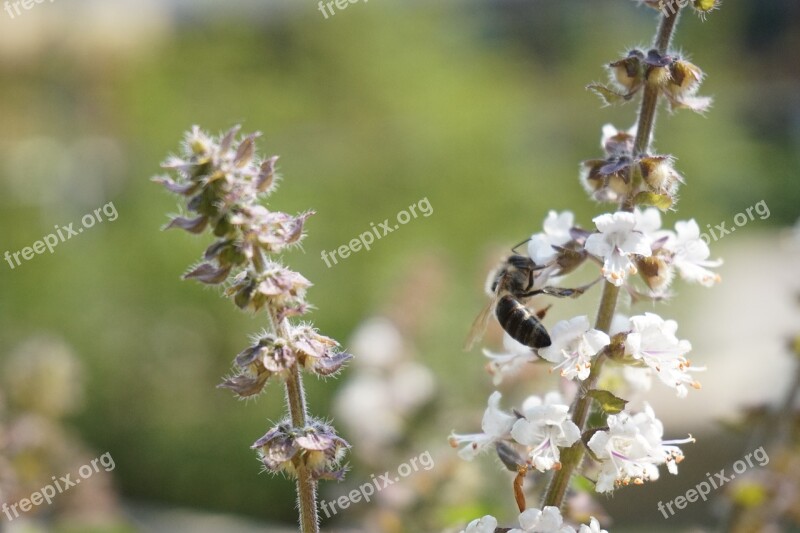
(245, 384)
(659, 174)
(208, 274)
(657, 70)
(198, 142)
(192, 225)
(269, 356)
(317, 353)
(629, 72)
(656, 272)
(617, 143)
(704, 7)
(283, 289)
(685, 79)
(607, 179)
(246, 150)
(315, 446)
(266, 175)
(616, 348)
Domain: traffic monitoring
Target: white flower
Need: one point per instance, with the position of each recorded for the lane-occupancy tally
(546, 426)
(638, 379)
(616, 241)
(496, 425)
(620, 323)
(487, 524)
(691, 254)
(648, 221)
(632, 448)
(556, 233)
(593, 527)
(548, 520)
(574, 343)
(516, 356)
(652, 340)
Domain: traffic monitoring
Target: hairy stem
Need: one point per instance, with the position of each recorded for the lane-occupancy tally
(306, 485)
(296, 403)
(647, 114)
(608, 302)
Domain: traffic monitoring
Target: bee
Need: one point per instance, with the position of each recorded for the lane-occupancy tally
(511, 286)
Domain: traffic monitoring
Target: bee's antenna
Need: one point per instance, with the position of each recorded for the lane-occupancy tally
(514, 249)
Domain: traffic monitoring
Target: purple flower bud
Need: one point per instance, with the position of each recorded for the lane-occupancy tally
(208, 273)
(192, 225)
(316, 445)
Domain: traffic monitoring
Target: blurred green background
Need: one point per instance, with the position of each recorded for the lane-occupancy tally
(478, 106)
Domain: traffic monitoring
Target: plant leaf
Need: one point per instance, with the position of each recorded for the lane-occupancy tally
(608, 402)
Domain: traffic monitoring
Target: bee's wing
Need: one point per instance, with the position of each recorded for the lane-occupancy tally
(479, 325)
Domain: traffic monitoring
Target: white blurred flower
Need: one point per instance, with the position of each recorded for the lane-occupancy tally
(615, 243)
(546, 426)
(652, 341)
(385, 390)
(691, 254)
(366, 407)
(548, 520)
(574, 344)
(593, 527)
(412, 385)
(377, 343)
(632, 448)
(510, 362)
(487, 524)
(556, 233)
(496, 424)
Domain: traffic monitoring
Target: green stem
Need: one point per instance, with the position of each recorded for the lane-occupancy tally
(580, 409)
(608, 303)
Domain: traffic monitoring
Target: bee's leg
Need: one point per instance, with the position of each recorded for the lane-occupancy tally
(528, 294)
(530, 280)
(561, 292)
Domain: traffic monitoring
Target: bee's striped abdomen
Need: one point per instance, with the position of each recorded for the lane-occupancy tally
(520, 323)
